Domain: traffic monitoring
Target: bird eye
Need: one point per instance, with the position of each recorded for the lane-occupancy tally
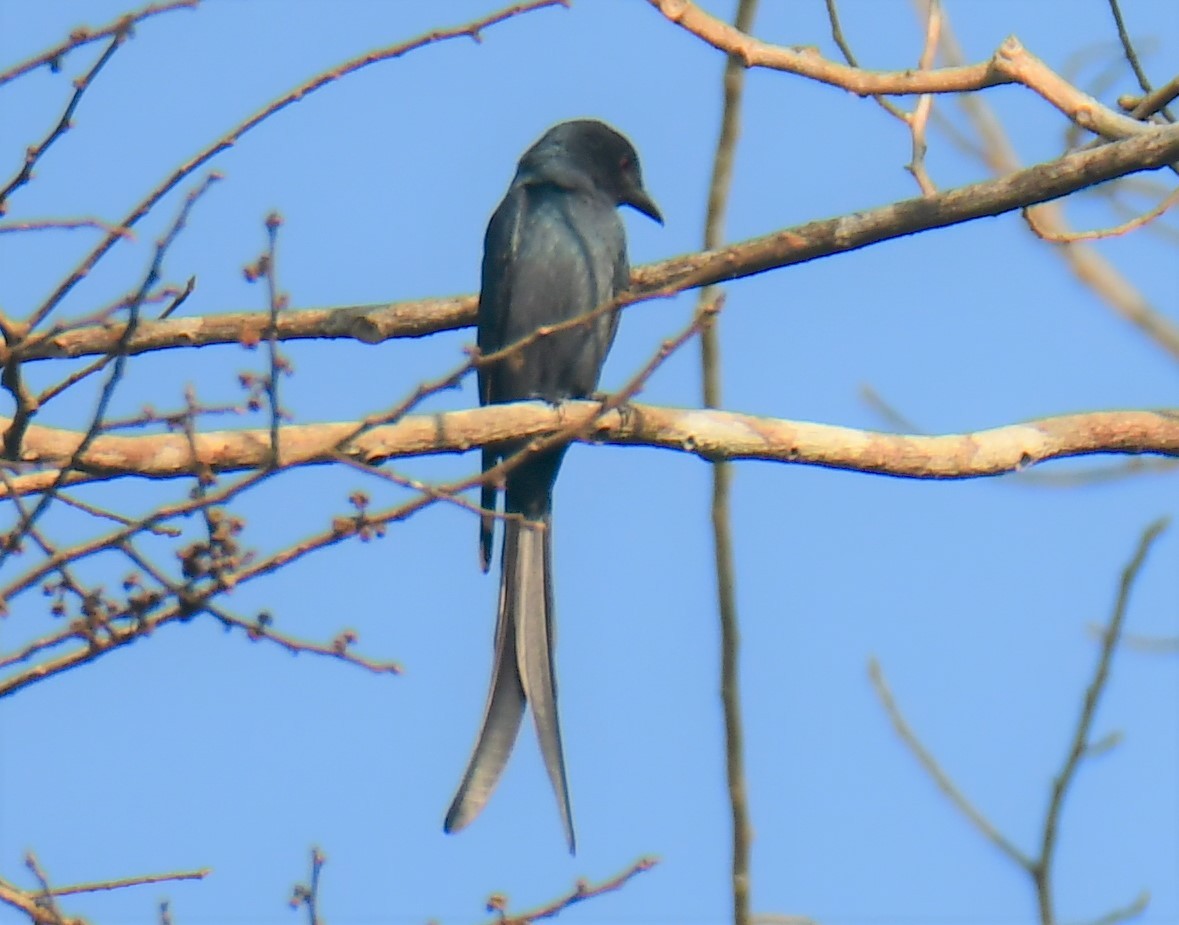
(624, 163)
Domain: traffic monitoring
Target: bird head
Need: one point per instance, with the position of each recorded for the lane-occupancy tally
(598, 152)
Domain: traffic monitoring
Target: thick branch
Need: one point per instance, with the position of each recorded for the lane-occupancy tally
(373, 323)
(711, 435)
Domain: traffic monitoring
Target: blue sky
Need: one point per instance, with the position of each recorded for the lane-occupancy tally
(195, 748)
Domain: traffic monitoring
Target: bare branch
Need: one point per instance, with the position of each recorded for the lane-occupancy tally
(1080, 746)
(1068, 237)
(1091, 267)
(14, 434)
(708, 307)
(471, 30)
(786, 247)
(65, 224)
(1011, 63)
(583, 891)
(712, 435)
(934, 769)
(84, 35)
(64, 124)
(308, 895)
(1132, 55)
(1154, 101)
(41, 906)
(1042, 869)
(103, 885)
(849, 56)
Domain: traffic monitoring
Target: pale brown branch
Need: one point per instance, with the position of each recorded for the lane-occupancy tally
(25, 903)
(1011, 63)
(919, 118)
(1090, 266)
(712, 435)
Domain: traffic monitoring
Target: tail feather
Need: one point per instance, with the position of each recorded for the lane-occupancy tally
(522, 672)
(535, 638)
(501, 724)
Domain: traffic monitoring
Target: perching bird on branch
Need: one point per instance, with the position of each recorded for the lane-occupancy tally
(555, 250)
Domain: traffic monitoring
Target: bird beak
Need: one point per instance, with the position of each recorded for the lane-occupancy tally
(639, 199)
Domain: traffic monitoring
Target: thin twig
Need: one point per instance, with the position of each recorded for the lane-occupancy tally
(65, 224)
(1151, 645)
(708, 308)
(84, 35)
(277, 301)
(1132, 55)
(1068, 237)
(1090, 266)
(120, 359)
(1042, 868)
(1154, 101)
(1131, 910)
(64, 124)
(45, 900)
(919, 118)
(471, 30)
(309, 895)
(196, 597)
(581, 892)
(849, 56)
(102, 885)
(935, 771)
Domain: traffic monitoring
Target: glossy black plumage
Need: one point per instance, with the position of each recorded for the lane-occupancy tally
(555, 249)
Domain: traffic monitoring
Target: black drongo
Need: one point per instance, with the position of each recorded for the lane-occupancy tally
(555, 250)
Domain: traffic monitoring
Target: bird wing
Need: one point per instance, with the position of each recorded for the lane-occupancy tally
(495, 297)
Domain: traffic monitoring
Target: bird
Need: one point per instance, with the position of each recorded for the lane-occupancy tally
(555, 249)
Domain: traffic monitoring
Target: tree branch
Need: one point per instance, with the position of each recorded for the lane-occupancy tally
(1010, 64)
(711, 435)
(789, 246)
(83, 35)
